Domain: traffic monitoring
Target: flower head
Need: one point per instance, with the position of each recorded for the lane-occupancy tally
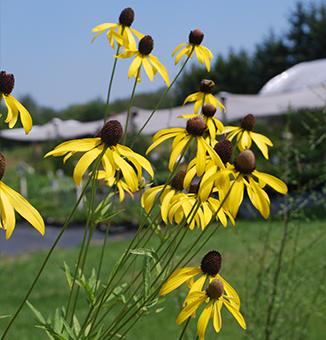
(204, 96)
(215, 298)
(115, 157)
(214, 126)
(10, 201)
(122, 33)
(204, 55)
(245, 136)
(7, 82)
(183, 138)
(243, 171)
(144, 57)
(209, 269)
(169, 191)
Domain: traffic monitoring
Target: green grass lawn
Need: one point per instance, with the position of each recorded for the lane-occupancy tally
(242, 248)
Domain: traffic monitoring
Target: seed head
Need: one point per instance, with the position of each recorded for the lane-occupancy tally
(7, 82)
(111, 133)
(126, 17)
(196, 37)
(248, 122)
(224, 149)
(2, 165)
(245, 162)
(146, 45)
(211, 263)
(177, 180)
(206, 86)
(196, 126)
(215, 289)
(209, 110)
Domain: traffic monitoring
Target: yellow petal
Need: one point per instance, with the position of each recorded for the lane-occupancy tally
(160, 68)
(25, 209)
(203, 320)
(178, 47)
(7, 211)
(135, 65)
(177, 278)
(272, 181)
(235, 313)
(84, 162)
(190, 309)
(217, 320)
(77, 145)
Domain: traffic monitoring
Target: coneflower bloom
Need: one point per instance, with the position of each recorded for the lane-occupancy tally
(7, 82)
(204, 96)
(204, 55)
(215, 297)
(245, 136)
(243, 173)
(144, 57)
(122, 33)
(115, 157)
(195, 129)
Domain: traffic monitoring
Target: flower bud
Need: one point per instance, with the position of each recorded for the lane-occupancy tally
(127, 17)
(196, 37)
(215, 289)
(111, 133)
(211, 263)
(224, 149)
(245, 162)
(196, 126)
(206, 86)
(146, 45)
(7, 82)
(248, 122)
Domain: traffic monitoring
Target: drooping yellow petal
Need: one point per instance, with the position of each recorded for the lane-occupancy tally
(25, 209)
(166, 204)
(178, 47)
(272, 181)
(7, 211)
(177, 278)
(127, 171)
(238, 316)
(15, 106)
(194, 96)
(217, 320)
(190, 309)
(136, 158)
(77, 145)
(257, 197)
(84, 162)
(160, 68)
(262, 142)
(148, 68)
(135, 65)
(203, 320)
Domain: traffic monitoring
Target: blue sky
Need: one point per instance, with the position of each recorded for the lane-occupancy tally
(46, 44)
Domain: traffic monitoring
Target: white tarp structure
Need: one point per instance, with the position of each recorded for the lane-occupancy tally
(301, 86)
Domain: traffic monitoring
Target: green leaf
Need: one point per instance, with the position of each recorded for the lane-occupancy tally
(76, 324)
(68, 275)
(108, 216)
(57, 321)
(36, 312)
(69, 329)
(4, 316)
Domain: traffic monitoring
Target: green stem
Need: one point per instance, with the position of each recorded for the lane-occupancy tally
(164, 95)
(129, 107)
(110, 84)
